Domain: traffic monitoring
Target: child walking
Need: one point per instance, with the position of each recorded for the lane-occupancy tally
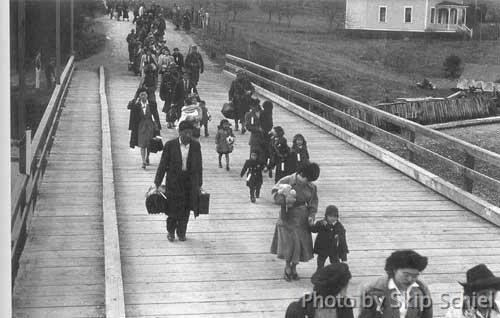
(205, 116)
(254, 175)
(279, 154)
(224, 141)
(331, 240)
(298, 154)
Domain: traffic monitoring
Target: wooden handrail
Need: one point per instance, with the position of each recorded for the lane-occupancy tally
(25, 191)
(344, 101)
(267, 77)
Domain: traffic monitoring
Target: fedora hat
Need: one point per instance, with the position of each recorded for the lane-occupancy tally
(480, 277)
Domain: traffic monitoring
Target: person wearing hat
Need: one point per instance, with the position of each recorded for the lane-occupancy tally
(181, 165)
(328, 298)
(399, 293)
(479, 295)
(144, 123)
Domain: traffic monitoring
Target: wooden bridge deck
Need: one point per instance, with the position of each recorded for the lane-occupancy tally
(224, 269)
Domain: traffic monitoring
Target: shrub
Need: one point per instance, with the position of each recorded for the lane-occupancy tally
(452, 66)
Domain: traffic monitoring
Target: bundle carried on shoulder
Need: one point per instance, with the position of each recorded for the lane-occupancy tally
(191, 113)
(156, 200)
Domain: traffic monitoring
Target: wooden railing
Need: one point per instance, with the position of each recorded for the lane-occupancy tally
(359, 118)
(23, 196)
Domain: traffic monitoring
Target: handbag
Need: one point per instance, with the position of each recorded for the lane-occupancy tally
(155, 144)
(203, 202)
(156, 200)
(228, 110)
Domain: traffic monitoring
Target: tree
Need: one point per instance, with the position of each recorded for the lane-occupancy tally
(333, 11)
(291, 8)
(268, 6)
(236, 6)
(452, 66)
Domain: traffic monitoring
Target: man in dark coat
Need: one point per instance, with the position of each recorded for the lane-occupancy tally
(194, 67)
(172, 92)
(240, 94)
(132, 45)
(181, 161)
(178, 58)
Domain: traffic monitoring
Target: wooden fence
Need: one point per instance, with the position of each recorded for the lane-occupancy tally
(359, 118)
(24, 195)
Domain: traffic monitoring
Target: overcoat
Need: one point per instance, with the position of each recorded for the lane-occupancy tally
(331, 240)
(171, 167)
(136, 115)
(305, 307)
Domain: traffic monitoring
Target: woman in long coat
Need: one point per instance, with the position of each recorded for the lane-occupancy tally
(240, 94)
(143, 122)
(292, 239)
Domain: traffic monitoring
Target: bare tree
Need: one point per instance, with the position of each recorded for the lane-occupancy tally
(333, 11)
(268, 6)
(291, 8)
(236, 6)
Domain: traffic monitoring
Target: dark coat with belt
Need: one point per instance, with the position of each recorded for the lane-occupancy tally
(303, 308)
(254, 174)
(331, 240)
(136, 115)
(383, 303)
(171, 165)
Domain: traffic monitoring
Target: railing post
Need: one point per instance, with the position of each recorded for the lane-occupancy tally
(469, 163)
(28, 151)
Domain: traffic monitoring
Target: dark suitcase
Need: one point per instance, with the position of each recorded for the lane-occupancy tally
(156, 201)
(155, 145)
(203, 202)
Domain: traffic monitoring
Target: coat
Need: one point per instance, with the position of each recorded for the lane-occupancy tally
(331, 240)
(254, 175)
(135, 118)
(222, 146)
(297, 158)
(420, 304)
(297, 310)
(237, 94)
(170, 166)
(179, 59)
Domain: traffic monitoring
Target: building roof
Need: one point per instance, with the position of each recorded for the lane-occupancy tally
(450, 3)
(485, 76)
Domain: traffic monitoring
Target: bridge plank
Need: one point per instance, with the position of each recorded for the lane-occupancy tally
(62, 275)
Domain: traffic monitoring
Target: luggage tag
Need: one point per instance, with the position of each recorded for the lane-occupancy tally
(298, 157)
(249, 177)
(251, 121)
(283, 166)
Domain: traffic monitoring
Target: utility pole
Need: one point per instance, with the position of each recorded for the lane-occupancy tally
(58, 41)
(21, 106)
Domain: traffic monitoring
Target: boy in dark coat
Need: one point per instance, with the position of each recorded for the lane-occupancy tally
(331, 240)
(178, 58)
(254, 175)
(205, 116)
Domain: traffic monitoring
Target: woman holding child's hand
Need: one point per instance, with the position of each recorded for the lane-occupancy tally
(292, 239)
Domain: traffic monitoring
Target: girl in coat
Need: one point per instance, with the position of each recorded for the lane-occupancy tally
(279, 153)
(254, 175)
(331, 240)
(224, 141)
(298, 154)
(143, 123)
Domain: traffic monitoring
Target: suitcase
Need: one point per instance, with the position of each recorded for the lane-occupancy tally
(203, 202)
(156, 201)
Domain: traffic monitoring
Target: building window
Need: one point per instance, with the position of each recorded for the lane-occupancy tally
(433, 15)
(453, 16)
(382, 13)
(443, 16)
(408, 17)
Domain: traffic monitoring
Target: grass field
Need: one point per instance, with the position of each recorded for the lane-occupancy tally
(368, 70)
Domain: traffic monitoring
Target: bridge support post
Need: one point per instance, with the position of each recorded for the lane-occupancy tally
(468, 182)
